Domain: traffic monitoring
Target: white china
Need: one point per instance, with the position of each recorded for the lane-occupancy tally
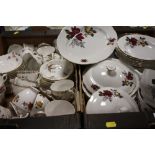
(45, 50)
(56, 69)
(10, 62)
(18, 49)
(59, 107)
(5, 113)
(39, 104)
(23, 101)
(31, 76)
(28, 47)
(32, 60)
(86, 45)
(147, 85)
(110, 73)
(23, 83)
(110, 100)
(138, 46)
(63, 90)
(17, 89)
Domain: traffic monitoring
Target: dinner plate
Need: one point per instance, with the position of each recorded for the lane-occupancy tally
(10, 62)
(138, 46)
(86, 45)
(110, 100)
(56, 69)
(110, 73)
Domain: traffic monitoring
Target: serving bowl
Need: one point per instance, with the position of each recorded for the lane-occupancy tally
(110, 73)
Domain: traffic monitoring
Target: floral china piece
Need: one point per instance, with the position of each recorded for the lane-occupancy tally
(45, 51)
(56, 69)
(18, 49)
(59, 107)
(10, 62)
(138, 46)
(63, 90)
(85, 44)
(23, 101)
(110, 73)
(31, 76)
(110, 100)
(5, 113)
(39, 104)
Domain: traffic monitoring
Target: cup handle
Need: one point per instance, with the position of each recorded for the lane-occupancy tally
(4, 77)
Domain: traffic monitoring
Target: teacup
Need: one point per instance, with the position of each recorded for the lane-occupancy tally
(28, 75)
(23, 101)
(5, 113)
(63, 90)
(39, 105)
(24, 83)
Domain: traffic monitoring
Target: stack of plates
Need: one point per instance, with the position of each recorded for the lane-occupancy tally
(137, 50)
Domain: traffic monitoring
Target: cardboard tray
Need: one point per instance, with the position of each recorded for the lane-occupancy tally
(136, 120)
(57, 122)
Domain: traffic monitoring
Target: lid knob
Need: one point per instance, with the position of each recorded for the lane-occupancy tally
(111, 70)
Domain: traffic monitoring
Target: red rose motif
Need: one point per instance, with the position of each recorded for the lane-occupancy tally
(30, 106)
(106, 93)
(95, 87)
(112, 39)
(129, 76)
(80, 36)
(133, 41)
(75, 30)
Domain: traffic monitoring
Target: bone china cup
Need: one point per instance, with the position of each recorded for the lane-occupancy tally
(23, 101)
(63, 90)
(39, 105)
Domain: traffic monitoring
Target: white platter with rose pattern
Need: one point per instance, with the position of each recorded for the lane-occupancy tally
(138, 46)
(85, 44)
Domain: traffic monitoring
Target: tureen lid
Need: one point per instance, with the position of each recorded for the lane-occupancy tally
(110, 73)
(110, 100)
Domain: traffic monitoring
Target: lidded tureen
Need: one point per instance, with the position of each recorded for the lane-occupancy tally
(110, 73)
